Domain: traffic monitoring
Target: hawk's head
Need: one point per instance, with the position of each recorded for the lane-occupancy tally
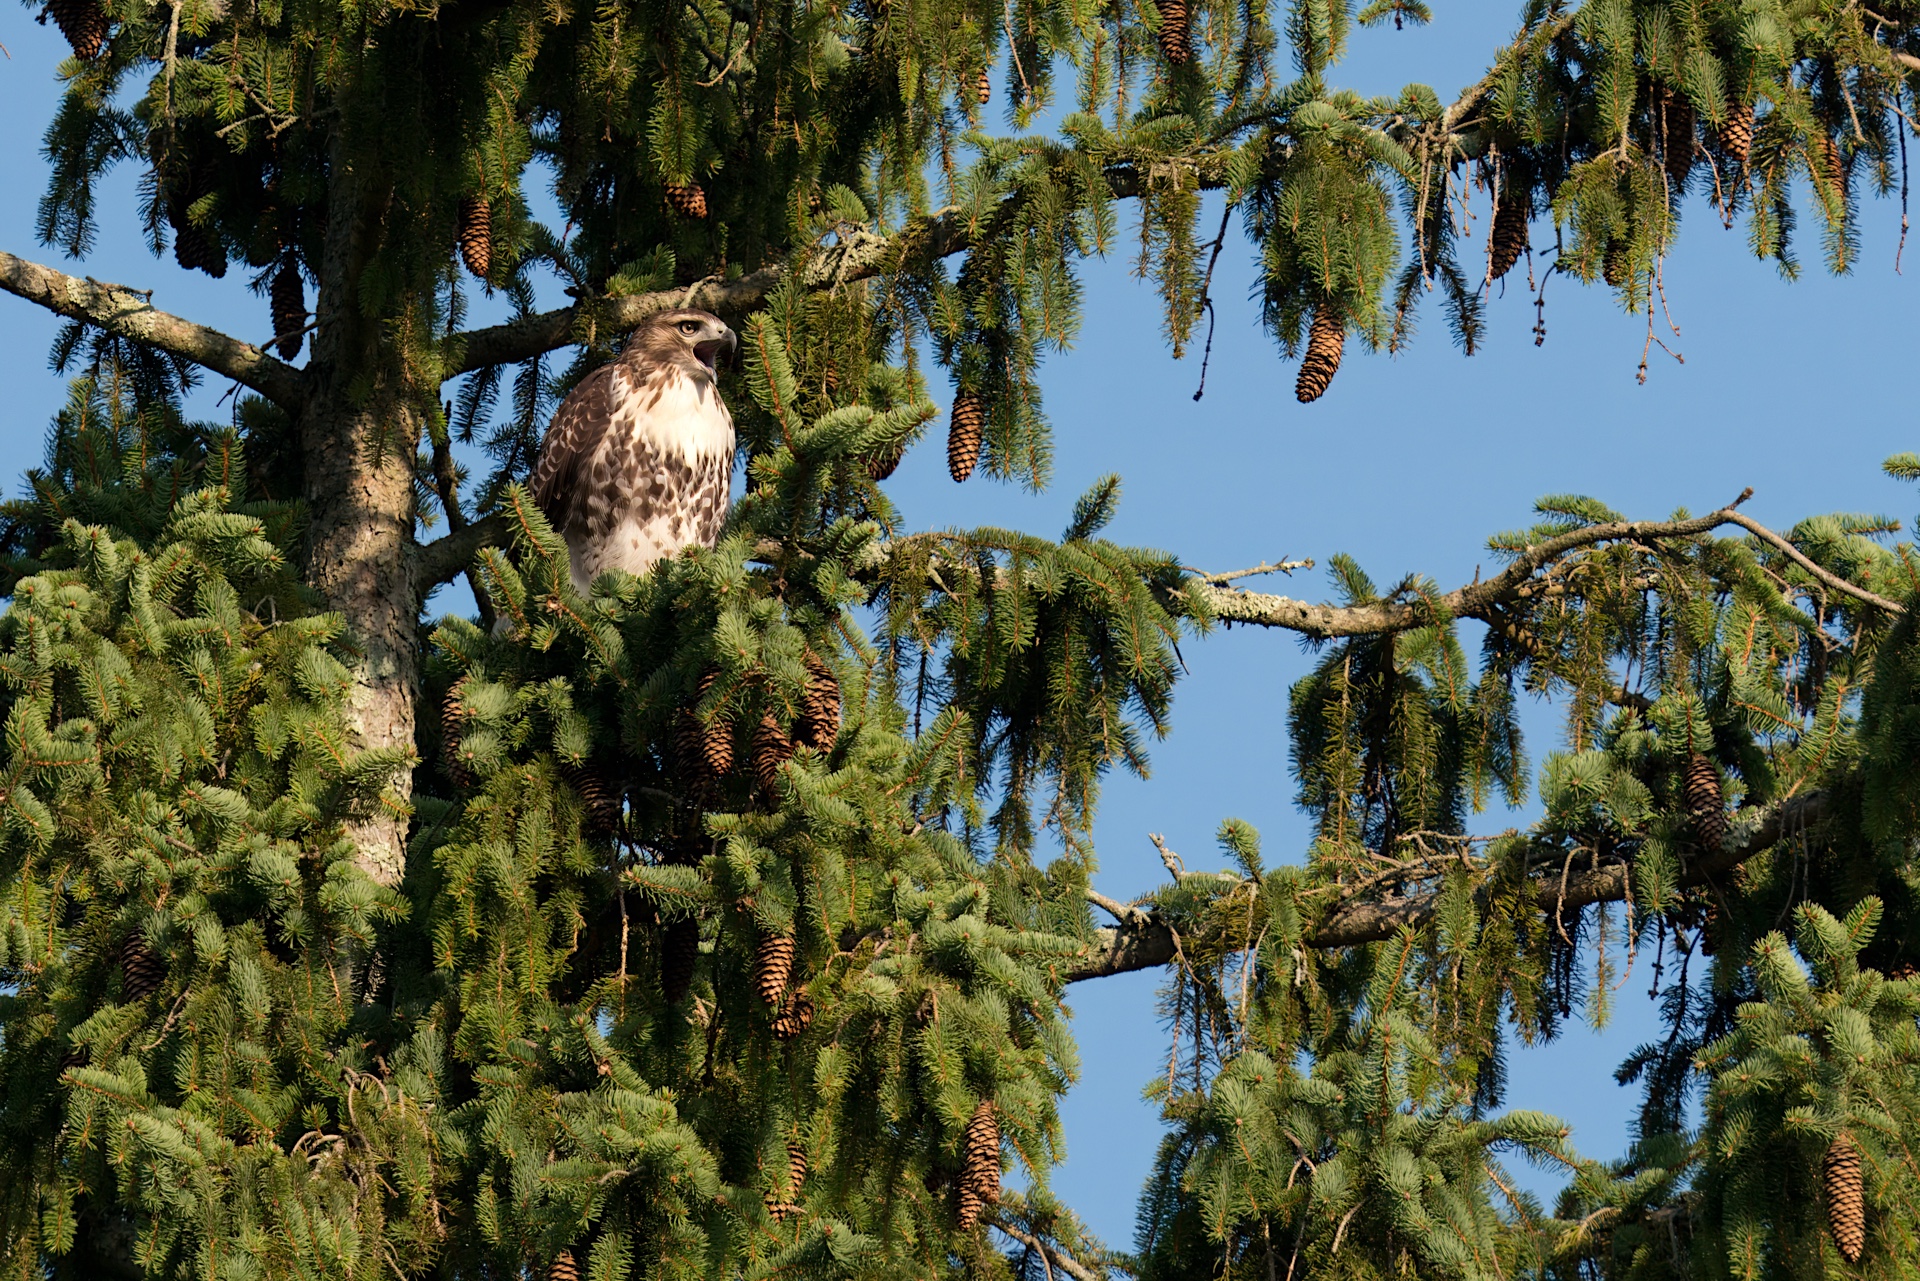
(693, 340)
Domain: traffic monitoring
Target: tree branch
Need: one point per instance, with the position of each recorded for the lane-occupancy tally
(1072, 1267)
(131, 314)
(1475, 600)
(1149, 946)
(1795, 555)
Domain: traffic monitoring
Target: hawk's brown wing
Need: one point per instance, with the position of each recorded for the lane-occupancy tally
(577, 429)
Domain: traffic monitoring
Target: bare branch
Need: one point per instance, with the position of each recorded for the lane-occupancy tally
(1150, 946)
(447, 557)
(1795, 555)
(1475, 600)
(1066, 1263)
(131, 314)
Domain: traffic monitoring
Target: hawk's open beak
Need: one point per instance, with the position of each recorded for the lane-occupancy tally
(708, 352)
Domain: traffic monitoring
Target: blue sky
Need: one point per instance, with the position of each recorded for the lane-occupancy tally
(1409, 464)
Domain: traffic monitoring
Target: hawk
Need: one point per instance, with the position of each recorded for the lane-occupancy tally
(638, 461)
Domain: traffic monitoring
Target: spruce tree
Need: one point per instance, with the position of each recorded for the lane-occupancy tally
(718, 923)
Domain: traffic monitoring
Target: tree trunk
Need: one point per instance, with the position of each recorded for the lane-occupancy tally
(358, 433)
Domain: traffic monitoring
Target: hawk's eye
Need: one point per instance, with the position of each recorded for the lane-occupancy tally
(689, 327)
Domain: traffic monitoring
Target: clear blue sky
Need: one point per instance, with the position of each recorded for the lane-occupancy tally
(1408, 463)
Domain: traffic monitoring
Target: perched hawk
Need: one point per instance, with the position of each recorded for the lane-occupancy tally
(638, 461)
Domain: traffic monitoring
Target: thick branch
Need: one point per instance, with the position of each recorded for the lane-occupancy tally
(131, 313)
(1149, 946)
(1475, 600)
(447, 557)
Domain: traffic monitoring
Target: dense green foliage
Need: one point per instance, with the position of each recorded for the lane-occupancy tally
(739, 901)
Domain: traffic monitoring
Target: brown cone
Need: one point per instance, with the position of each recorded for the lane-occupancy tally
(1831, 166)
(771, 749)
(1613, 264)
(679, 949)
(983, 87)
(687, 199)
(884, 463)
(1846, 1198)
(289, 304)
(475, 235)
(1676, 139)
(452, 723)
(705, 751)
(795, 1018)
(563, 1268)
(1509, 238)
(141, 972)
(193, 248)
(601, 802)
(980, 1168)
(84, 23)
(964, 430)
(1326, 338)
(796, 1167)
(1176, 31)
(772, 967)
(1706, 806)
(1736, 135)
(820, 710)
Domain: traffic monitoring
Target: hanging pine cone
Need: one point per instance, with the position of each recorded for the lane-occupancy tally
(141, 972)
(1326, 338)
(687, 199)
(601, 802)
(452, 726)
(771, 749)
(795, 1018)
(772, 967)
(563, 1268)
(193, 248)
(1613, 264)
(796, 1175)
(705, 751)
(1706, 806)
(1846, 1198)
(1736, 135)
(289, 304)
(1832, 167)
(964, 430)
(983, 87)
(886, 461)
(84, 23)
(1676, 137)
(679, 949)
(475, 235)
(820, 709)
(980, 1170)
(1176, 31)
(1509, 237)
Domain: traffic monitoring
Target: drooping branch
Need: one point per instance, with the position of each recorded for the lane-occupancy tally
(131, 314)
(1144, 945)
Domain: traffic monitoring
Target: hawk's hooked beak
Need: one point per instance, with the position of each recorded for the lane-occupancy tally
(708, 352)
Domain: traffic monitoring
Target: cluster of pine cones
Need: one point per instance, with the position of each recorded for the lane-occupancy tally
(706, 752)
(772, 980)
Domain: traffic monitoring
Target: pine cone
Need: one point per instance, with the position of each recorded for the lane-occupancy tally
(1846, 1198)
(884, 463)
(452, 723)
(1832, 167)
(980, 1171)
(1676, 137)
(687, 199)
(679, 949)
(796, 1175)
(771, 749)
(1176, 31)
(1326, 338)
(1706, 806)
(796, 1018)
(983, 87)
(475, 235)
(705, 751)
(563, 1268)
(193, 248)
(141, 971)
(289, 304)
(1736, 135)
(820, 710)
(772, 967)
(84, 23)
(1613, 264)
(964, 430)
(601, 802)
(1509, 237)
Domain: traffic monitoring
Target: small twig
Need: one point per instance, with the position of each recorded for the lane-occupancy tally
(1284, 566)
(1175, 867)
